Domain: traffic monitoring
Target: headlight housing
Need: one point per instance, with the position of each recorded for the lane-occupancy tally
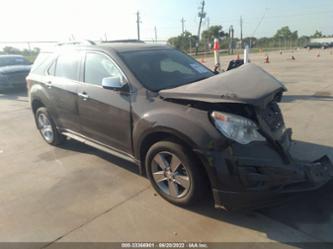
(237, 128)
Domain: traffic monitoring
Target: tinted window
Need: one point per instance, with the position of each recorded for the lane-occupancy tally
(67, 65)
(99, 66)
(41, 63)
(165, 68)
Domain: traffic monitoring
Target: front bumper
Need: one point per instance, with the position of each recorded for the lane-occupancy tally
(274, 185)
(260, 174)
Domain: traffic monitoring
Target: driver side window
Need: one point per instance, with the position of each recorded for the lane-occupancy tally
(97, 67)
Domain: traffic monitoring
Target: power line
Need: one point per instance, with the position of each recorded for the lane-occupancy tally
(253, 19)
(259, 23)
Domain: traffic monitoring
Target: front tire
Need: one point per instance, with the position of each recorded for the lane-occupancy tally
(47, 127)
(175, 174)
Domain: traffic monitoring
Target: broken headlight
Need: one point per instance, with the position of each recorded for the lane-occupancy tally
(237, 128)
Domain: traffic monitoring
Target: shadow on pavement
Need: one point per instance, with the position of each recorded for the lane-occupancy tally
(311, 213)
(83, 148)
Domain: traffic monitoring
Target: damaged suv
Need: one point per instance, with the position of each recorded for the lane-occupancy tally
(188, 129)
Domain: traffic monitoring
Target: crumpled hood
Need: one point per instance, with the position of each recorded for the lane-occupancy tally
(248, 84)
(15, 69)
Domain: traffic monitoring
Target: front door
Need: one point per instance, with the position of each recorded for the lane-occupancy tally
(104, 113)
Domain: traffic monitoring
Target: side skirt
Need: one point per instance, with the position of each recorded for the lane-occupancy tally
(101, 146)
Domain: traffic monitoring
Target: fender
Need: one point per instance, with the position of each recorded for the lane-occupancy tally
(189, 124)
(39, 93)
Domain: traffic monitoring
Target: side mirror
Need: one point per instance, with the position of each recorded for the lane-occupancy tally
(114, 83)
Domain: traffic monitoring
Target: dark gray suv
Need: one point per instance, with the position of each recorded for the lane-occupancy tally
(190, 130)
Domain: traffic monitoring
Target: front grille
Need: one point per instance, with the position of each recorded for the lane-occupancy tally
(273, 117)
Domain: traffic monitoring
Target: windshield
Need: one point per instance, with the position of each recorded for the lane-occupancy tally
(13, 60)
(163, 69)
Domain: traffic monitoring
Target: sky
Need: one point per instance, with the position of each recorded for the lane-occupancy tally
(54, 20)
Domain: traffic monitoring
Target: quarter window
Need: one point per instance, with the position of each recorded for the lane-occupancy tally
(67, 65)
(99, 66)
(41, 63)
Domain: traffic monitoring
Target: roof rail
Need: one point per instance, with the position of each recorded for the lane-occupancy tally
(124, 41)
(83, 42)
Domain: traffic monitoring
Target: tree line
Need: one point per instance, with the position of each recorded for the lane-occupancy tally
(283, 38)
(24, 52)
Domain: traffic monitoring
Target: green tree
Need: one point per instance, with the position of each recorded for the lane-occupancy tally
(11, 50)
(286, 33)
(212, 32)
(186, 41)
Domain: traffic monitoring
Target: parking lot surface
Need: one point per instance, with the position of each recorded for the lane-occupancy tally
(77, 193)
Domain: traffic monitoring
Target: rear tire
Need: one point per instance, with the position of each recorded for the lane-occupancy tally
(175, 173)
(47, 128)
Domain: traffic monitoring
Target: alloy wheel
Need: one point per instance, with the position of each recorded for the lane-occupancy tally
(45, 127)
(170, 174)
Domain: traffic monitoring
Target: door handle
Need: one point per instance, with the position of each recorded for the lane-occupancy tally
(83, 95)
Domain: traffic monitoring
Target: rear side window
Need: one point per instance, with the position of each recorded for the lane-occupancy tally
(67, 65)
(41, 63)
(97, 67)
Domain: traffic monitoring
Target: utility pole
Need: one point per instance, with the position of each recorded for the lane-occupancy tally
(241, 32)
(155, 30)
(202, 15)
(183, 25)
(231, 38)
(138, 21)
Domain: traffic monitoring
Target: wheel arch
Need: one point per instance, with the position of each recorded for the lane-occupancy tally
(35, 104)
(165, 134)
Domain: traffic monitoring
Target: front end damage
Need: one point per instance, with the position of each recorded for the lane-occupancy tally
(266, 171)
(261, 172)
(264, 185)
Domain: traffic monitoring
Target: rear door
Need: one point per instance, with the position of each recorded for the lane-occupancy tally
(63, 83)
(104, 113)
